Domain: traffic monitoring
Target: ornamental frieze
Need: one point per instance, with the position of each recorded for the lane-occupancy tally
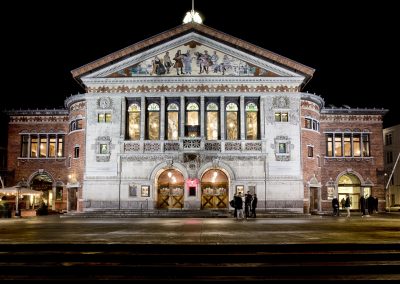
(38, 119)
(348, 118)
(139, 158)
(78, 106)
(192, 89)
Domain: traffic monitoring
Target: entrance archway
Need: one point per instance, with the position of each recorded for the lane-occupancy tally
(350, 184)
(44, 183)
(214, 190)
(170, 190)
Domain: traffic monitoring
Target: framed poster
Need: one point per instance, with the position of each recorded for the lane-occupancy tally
(145, 192)
(133, 190)
(240, 189)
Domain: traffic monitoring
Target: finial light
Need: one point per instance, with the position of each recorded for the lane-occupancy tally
(192, 16)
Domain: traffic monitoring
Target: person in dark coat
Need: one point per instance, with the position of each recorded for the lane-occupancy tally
(247, 204)
(254, 206)
(370, 201)
(376, 204)
(362, 205)
(239, 206)
(347, 205)
(335, 206)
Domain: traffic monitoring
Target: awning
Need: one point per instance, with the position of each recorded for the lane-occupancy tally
(22, 191)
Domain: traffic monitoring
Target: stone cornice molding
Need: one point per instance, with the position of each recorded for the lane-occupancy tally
(187, 28)
(178, 89)
(74, 99)
(360, 118)
(354, 111)
(313, 98)
(37, 112)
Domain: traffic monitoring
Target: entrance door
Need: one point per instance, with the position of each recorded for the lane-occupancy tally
(214, 190)
(43, 182)
(351, 185)
(170, 190)
(313, 199)
(72, 199)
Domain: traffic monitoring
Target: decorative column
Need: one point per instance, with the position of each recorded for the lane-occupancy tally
(142, 116)
(262, 118)
(182, 126)
(222, 117)
(202, 111)
(242, 118)
(162, 118)
(123, 119)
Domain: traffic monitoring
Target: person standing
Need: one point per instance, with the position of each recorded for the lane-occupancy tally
(335, 206)
(347, 205)
(362, 205)
(247, 204)
(239, 206)
(376, 204)
(254, 206)
(370, 202)
(343, 201)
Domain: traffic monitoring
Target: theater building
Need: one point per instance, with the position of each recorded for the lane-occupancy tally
(188, 118)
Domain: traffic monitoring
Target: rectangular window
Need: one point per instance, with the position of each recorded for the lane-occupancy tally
(388, 139)
(365, 145)
(24, 146)
(145, 191)
(315, 125)
(308, 123)
(277, 116)
(192, 191)
(310, 151)
(34, 146)
(356, 145)
(103, 148)
(76, 152)
(153, 125)
(59, 193)
(60, 146)
(108, 117)
(232, 127)
(100, 117)
(251, 125)
(282, 148)
(329, 145)
(389, 157)
(52, 146)
(285, 117)
(79, 124)
(43, 147)
(212, 125)
(347, 145)
(338, 145)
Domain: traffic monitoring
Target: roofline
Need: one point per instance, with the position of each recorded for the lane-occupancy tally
(354, 111)
(136, 47)
(29, 112)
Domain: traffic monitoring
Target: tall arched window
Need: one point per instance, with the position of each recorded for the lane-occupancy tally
(251, 121)
(212, 121)
(153, 119)
(232, 121)
(192, 120)
(134, 122)
(173, 121)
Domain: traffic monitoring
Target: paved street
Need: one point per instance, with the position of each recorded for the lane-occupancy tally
(380, 228)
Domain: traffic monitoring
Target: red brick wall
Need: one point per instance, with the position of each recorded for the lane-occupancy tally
(367, 168)
(312, 138)
(75, 138)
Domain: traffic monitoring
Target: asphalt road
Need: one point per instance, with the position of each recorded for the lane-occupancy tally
(383, 228)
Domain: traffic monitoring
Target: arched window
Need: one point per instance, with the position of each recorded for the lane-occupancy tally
(232, 121)
(134, 122)
(173, 121)
(153, 118)
(192, 120)
(251, 121)
(212, 121)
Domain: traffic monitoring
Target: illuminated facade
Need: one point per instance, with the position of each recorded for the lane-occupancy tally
(188, 118)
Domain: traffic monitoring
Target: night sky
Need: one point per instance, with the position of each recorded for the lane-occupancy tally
(352, 48)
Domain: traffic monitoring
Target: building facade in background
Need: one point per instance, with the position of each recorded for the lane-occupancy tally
(190, 117)
(391, 136)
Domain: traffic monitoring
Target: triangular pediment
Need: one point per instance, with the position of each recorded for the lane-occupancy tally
(192, 50)
(194, 59)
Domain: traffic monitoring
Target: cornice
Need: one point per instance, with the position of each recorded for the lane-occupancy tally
(74, 99)
(37, 112)
(354, 111)
(313, 98)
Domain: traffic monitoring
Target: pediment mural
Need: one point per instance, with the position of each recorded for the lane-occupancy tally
(193, 59)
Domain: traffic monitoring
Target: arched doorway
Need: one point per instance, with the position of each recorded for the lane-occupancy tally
(170, 187)
(214, 190)
(350, 184)
(44, 183)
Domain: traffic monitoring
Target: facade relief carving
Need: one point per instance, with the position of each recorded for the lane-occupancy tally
(104, 103)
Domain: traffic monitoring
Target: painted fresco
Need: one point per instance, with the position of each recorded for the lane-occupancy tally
(193, 60)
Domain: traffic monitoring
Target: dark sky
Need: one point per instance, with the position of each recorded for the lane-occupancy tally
(352, 48)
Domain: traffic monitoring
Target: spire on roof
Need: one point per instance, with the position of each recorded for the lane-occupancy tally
(192, 16)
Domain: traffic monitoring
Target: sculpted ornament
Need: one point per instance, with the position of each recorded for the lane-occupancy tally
(281, 102)
(104, 103)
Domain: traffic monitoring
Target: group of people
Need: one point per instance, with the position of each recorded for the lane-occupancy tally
(250, 205)
(366, 203)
